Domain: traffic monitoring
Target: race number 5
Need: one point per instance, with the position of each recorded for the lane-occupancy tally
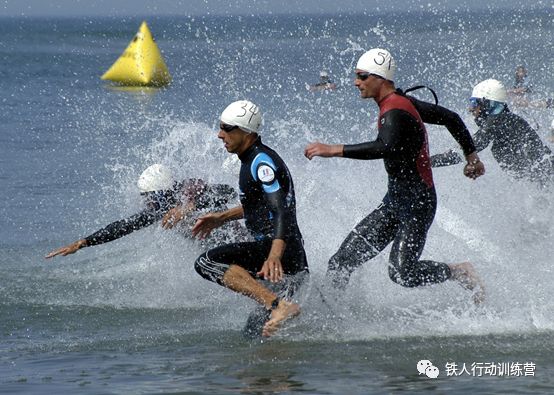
(381, 58)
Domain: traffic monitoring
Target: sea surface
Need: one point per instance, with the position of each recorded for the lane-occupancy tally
(132, 316)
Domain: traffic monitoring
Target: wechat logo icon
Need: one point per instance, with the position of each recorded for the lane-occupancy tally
(427, 368)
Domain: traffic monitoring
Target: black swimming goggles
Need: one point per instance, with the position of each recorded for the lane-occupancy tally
(227, 128)
(364, 76)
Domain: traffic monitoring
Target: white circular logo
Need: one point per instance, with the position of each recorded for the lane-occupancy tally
(422, 365)
(266, 173)
(432, 372)
(427, 368)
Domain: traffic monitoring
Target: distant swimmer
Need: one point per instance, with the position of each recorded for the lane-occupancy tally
(516, 146)
(522, 92)
(325, 83)
(552, 131)
(268, 205)
(164, 199)
(408, 209)
(521, 87)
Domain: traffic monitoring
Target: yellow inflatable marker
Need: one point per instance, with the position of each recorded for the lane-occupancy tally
(141, 64)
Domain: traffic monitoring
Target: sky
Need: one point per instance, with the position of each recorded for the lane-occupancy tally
(12, 8)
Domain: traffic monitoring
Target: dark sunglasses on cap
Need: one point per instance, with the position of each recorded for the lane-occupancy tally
(227, 128)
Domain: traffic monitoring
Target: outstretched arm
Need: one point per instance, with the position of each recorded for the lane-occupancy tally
(474, 168)
(384, 145)
(68, 249)
(324, 150)
(113, 231)
(206, 223)
(447, 158)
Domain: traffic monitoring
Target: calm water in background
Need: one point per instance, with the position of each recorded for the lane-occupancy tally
(132, 316)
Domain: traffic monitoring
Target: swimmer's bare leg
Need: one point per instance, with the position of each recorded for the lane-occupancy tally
(239, 280)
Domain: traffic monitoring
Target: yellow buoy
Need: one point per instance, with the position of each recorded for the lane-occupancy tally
(141, 64)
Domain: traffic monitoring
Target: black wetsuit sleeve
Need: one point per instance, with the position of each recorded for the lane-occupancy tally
(394, 124)
(118, 229)
(281, 224)
(482, 139)
(446, 159)
(438, 115)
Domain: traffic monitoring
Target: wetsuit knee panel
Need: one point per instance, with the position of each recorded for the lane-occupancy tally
(209, 269)
(421, 273)
(406, 276)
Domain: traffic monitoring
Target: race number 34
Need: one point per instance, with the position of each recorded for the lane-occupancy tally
(253, 110)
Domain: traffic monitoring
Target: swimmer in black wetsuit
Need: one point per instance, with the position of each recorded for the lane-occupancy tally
(516, 146)
(269, 207)
(165, 200)
(408, 208)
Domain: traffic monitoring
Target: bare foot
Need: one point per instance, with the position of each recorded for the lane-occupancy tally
(284, 311)
(468, 278)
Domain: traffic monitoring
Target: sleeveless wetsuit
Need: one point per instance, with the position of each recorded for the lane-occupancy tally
(408, 208)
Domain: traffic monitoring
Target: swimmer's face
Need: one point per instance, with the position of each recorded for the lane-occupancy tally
(521, 72)
(155, 200)
(233, 138)
(368, 84)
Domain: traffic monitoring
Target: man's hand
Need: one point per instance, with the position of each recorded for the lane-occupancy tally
(272, 269)
(474, 167)
(323, 150)
(205, 224)
(173, 217)
(69, 249)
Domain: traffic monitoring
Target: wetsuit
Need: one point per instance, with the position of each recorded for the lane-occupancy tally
(515, 145)
(195, 191)
(438, 115)
(408, 208)
(267, 197)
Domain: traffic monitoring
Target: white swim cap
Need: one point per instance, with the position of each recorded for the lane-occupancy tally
(155, 178)
(323, 74)
(379, 62)
(244, 114)
(491, 90)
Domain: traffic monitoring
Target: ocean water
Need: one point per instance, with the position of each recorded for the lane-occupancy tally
(132, 316)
